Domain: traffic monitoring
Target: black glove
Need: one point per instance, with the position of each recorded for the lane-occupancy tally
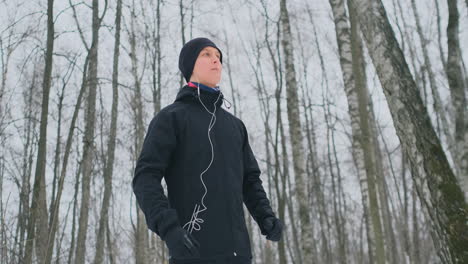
(273, 228)
(182, 244)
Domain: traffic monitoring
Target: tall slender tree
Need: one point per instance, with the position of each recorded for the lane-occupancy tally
(141, 232)
(38, 211)
(295, 132)
(88, 139)
(351, 61)
(108, 170)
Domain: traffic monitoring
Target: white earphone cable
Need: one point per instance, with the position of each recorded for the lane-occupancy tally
(195, 221)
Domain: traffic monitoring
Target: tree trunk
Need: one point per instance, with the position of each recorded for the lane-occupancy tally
(406, 235)
(442, 199)
(57, 188)
(351, 61)
(88, 140)
(55, 204)
(74, 213)
(318, 183)
(458, 95)
(157, 84)
(296, 135)
(141, 235)
(38, 211)
(365, 139)
(108, 170)
(265, 108)
(416, 245)
(386, 205)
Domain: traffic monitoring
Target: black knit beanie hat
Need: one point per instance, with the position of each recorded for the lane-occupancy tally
(189, 54)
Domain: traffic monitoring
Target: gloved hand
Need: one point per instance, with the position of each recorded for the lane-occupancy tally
(182, 244)
(273, 228)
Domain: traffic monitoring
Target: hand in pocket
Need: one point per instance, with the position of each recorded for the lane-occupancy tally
(182, 244)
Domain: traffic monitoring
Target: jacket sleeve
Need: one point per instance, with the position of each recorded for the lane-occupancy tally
(254, 195)
(158, 146)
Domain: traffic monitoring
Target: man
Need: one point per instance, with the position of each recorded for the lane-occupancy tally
(203, 153)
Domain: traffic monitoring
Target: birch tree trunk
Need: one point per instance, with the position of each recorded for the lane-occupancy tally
(108, 170)
(458, 94)
(88, 140)
(427, 67)
(406, 220)
(283, 199)
(38, 211)
(442, 199)
(141, 232)
(296, 134)
(57, 157)
(319, 178)
(351, 61)
(416, 245)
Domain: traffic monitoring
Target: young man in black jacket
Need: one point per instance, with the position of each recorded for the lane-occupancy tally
(203, 153)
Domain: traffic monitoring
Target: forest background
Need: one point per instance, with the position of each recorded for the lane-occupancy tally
(356, 111)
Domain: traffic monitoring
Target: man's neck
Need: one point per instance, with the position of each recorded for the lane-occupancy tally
(203, 86)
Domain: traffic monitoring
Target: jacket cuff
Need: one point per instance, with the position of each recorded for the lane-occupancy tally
(261, 224)
(167, 222)
(171, 234)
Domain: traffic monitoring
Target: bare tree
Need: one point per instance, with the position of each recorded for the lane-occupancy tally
(38, 211)
(88, 140)
(334, 222)
(442, 199)
(296, 134)
(351, 60)
(153, 45)
(60, 176)
(141, 250)
(109, 164)
(31, 111)
(313, 165)
(313, 168)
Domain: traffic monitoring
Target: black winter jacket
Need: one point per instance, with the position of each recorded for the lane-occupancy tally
(177, 148)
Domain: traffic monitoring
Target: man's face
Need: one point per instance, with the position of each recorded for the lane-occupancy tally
(207, 69)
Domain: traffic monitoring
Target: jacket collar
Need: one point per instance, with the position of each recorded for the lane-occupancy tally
(202, 86)
(209, 98)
